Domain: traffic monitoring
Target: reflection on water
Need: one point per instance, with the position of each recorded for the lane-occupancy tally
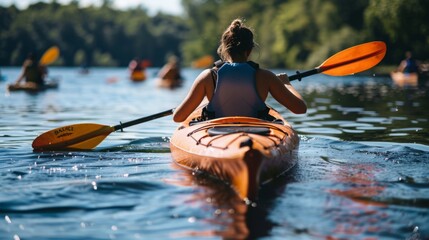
(366, 112)
(228, 211)
(358, 184)
(362, 169)
(234, 218)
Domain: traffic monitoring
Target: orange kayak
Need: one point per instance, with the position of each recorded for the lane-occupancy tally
(244, 152)
(138, 76)
(168, 83)
(405, 79)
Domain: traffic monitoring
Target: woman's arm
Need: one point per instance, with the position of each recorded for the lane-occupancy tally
(21, 75)
(402, 66)
(194, 97)
(280, 88)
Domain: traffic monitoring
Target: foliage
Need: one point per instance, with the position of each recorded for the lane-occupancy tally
(98, 36)
(290, 33)
(402, 24)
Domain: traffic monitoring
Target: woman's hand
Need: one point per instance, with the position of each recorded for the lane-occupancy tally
(283, 77)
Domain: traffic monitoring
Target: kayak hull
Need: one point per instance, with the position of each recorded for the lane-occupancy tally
(138, 76)
(241, 151)
(405, 79)
(168, 83)
(31, 87)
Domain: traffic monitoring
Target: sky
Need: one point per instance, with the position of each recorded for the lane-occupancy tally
(153, 6)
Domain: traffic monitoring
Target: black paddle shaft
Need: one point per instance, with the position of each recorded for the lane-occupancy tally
(299, 75)
(143, 119)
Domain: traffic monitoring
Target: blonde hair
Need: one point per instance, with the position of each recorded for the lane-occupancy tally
(236, 40)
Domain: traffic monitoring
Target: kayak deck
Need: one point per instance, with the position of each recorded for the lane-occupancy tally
(242, 151)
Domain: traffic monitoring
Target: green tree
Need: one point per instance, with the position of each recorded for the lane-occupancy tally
(402, 24)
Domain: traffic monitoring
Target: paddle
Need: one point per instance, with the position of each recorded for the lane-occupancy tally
(89, 135)
(84, 135)
(50, 56)
(349, 61)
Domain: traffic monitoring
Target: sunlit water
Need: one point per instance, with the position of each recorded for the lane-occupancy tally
(363, 169)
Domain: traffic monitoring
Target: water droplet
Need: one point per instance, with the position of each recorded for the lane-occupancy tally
(192, 219)
(7, 219)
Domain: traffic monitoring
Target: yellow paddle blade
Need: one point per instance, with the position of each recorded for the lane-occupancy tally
(77, 136)
(88, 144)
(50, 56)
(355, 59)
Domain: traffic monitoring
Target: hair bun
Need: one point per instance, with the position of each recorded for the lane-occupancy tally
(235, 26)
(236, 40)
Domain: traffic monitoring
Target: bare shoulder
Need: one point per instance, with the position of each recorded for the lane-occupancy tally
(265, 73)
(205, 77)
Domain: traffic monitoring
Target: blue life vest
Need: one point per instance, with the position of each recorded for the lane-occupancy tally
(411, 66)
(235, 92)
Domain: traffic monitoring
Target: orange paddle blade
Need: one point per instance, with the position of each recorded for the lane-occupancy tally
(50, 56)
(355, 59)
(77, 136)
(203, 62)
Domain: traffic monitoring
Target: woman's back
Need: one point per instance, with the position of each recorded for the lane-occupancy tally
(235, 93)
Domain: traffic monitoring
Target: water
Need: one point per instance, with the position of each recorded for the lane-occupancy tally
(363, 170)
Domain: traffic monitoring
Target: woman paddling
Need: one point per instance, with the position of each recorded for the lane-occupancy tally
(407, 73)
(169, 76)
(238, 87)
(33, 73)
(409, 64)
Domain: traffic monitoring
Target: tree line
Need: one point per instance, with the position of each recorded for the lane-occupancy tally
(289, 33)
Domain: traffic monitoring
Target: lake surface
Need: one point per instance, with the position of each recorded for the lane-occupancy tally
(362, 172)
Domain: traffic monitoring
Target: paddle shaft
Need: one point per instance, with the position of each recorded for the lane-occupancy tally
(143, 119)
(300, 75)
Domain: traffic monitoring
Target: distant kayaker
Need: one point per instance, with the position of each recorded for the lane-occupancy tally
(137, 70)
(238, 87)
(169, 75)
(409, 64)
(33, 73)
